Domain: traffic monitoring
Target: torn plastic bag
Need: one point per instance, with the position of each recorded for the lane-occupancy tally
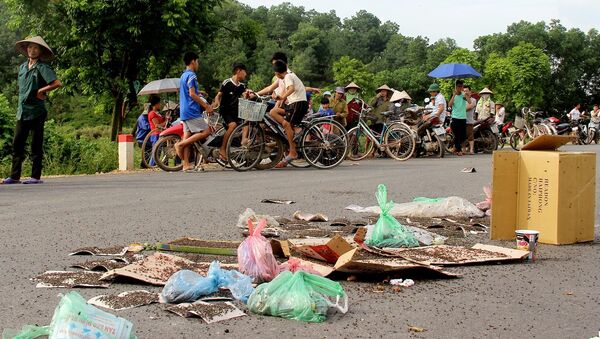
(250, 214)
(387, 231)
(255, 255)
(436, 208)
(295, 265)
(299, 296)
(188, 286)
(74, 318)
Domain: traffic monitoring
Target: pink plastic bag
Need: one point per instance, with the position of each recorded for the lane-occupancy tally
(255, 255)
(294, 264)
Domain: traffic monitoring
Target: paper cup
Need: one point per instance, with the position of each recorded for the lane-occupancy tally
(527, 240)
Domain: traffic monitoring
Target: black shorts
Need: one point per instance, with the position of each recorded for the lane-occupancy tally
(294, 113)
(229, 117)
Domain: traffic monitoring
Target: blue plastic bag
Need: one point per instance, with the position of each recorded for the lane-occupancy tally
(188, 286)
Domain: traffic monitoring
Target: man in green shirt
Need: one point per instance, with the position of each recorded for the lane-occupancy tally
(35, 79)
(459, 105)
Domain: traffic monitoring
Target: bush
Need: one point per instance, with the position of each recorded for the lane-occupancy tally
(69, 153)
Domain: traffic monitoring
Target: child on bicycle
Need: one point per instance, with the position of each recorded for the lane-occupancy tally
(228, 99)
(292, 113)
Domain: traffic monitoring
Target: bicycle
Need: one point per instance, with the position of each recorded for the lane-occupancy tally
(203, 151)
(529, 130)
(321, 142)
(152, 137)
(395, 139)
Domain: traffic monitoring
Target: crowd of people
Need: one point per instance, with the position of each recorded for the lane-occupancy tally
(293, 100)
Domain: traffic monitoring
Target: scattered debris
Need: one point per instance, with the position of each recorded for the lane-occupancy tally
(68, 279)
(324, 249)
(209, 312)
(416, 329)
(114, 251)
(125, 300)
(469, 170)
(310, 217)
(277, 201)
(255, 255)
(401, 282)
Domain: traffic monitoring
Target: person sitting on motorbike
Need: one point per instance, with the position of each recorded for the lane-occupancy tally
(292, 113)
(595, 113)
(439, 112)
(500, 114)
(575, 114)
(228, 99)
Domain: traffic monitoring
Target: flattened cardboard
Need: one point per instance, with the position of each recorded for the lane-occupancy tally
(68, 279)
(111, 251)
(548, 191)
(310, 217)
(100, 265)
(117, 302)
(445, 255)
(281, 248)
(546, 143)
(324, 249)
(348, 264)
(209, 312)
(158, 268)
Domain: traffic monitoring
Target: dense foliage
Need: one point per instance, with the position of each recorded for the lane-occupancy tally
(106, 50)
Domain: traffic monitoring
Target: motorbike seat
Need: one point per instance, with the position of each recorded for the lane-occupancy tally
(563, 125)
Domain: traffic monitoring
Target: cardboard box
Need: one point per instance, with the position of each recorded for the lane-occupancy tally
(542, 189)
(324, 249)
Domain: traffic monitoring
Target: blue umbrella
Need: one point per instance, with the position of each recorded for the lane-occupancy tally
(449, 71)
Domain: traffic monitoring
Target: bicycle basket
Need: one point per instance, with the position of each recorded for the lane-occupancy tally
(519, 122)
(251, 110)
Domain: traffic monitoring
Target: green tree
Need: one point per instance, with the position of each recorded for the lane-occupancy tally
(105, 46)
(347, 70)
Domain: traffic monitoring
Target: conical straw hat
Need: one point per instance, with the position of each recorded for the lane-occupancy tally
(46, 51)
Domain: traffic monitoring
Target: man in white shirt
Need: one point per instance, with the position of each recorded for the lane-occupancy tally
(575, 114)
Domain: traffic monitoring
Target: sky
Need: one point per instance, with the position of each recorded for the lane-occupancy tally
(461, 20)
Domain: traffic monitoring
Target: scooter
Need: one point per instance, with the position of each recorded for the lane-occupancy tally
(593, 126)
(430, 140)
(505, 131)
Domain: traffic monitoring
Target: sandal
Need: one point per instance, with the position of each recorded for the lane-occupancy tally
(10, 181)
(33, 181)
(190, 170)
(283, 163)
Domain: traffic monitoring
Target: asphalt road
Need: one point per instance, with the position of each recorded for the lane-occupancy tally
(556, 297)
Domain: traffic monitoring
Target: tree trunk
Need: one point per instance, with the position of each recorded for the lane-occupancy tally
(115, 126)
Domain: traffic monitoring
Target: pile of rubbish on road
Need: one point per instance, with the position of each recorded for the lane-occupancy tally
(286, 268)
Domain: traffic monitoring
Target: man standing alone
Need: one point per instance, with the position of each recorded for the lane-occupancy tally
(35, 79)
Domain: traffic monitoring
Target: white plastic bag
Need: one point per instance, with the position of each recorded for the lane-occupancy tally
(445, 207)
(250, 214)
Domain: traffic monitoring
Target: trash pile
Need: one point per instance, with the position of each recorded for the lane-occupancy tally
(284, 267)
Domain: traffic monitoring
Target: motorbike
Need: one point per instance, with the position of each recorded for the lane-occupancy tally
(485, 135)
(430, 139)
(577, 130)
(203, 151)
(505, 131)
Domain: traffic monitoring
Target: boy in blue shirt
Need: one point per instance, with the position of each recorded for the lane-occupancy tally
(325, 110)
(191, 106)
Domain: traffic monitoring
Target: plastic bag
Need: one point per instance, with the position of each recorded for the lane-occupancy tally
(255, 255)
(295, 265)
(189, 286)
(250, 214)
(27, 332)
(428, 208)
(388, 232)
(299, 296)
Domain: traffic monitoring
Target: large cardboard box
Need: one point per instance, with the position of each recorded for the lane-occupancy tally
(541, 188)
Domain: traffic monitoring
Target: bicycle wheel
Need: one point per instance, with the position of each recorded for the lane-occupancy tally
(491, 141)
(272, 153)
(164, 154)
(517, 139)
(591, 136)
(245, 146)
(359, 144)
(400, 142)
(147, 150)
(325, 144)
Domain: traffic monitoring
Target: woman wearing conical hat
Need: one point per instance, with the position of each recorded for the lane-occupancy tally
(355, 104)
(36, 78)
(380, 104)
(485, 106)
